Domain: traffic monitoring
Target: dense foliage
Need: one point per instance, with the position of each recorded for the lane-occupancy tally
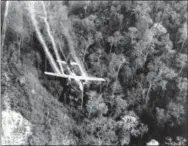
(139, 48)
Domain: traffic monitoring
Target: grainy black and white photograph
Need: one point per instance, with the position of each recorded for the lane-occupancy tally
(94, 73)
